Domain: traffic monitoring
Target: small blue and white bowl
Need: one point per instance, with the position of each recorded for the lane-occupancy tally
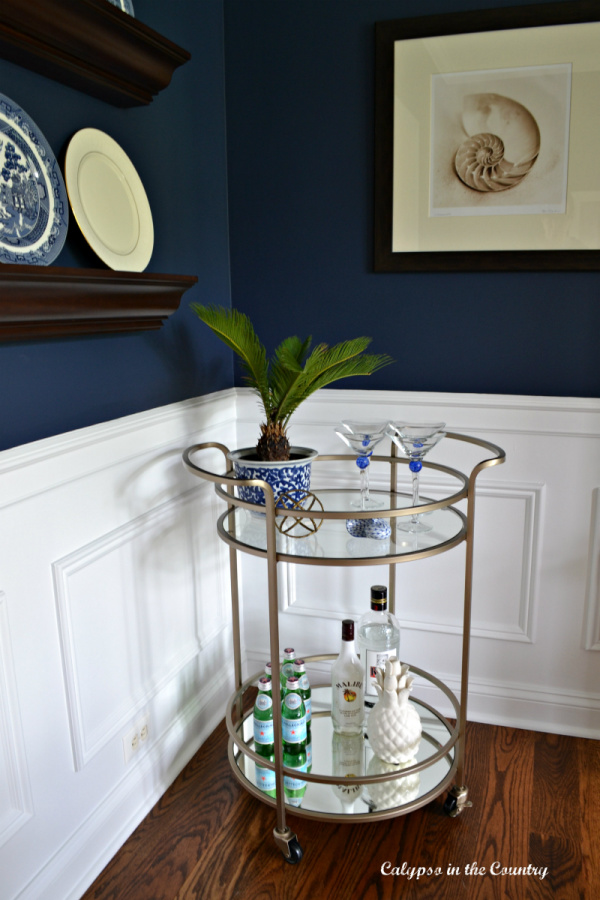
(288, 477)
(377, 529)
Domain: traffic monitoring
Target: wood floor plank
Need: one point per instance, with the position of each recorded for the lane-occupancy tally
(555, 840)
(207, 838)
(589, 805)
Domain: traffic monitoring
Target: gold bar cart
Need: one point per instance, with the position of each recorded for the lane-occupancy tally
(257, 530)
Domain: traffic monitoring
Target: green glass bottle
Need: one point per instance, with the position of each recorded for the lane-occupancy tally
(294, 788)
(269, 674)
(264, 738)
(265, 778)
(305, 692)
(287, 666)
(293, 724)
(293, 719)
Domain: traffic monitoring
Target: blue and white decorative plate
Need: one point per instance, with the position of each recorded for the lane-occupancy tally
(34, 209)
(125, 5)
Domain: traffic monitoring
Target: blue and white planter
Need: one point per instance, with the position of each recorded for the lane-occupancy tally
(289, 477)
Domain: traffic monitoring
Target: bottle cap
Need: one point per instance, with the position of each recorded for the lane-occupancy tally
(292, 682)
(348, 630)
(264, 682)
(378, 596)
(289, 653)
(299, 664)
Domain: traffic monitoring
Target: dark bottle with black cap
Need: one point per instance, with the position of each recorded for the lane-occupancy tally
(378, 639)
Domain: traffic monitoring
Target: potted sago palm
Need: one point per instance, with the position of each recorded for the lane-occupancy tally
(282, 383)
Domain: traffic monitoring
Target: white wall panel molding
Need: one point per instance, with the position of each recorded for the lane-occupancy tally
(15, 796)
(127, 605)
(513, 525)
(483, 413)
(82, 857)
(591, 635)
(118, 590)
(536, 584)
(34, 468)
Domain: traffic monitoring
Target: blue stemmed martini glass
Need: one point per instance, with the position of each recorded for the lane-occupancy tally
(415, 441)
(362, 438)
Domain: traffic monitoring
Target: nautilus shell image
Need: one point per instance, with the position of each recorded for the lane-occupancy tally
(502, 146)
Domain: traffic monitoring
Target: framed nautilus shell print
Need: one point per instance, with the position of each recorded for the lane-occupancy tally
(487, 138)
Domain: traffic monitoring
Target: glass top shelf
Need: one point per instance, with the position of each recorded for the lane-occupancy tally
(351, 757)
(332, 541)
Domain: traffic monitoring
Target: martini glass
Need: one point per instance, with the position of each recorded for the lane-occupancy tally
(362, 438)
(415, 440)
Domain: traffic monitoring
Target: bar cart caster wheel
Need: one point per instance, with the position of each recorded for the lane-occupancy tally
(450, 806)
(295, 851)
(287, 842)
(456, 801)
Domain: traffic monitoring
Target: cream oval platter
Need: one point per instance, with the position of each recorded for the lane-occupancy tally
(109, 201)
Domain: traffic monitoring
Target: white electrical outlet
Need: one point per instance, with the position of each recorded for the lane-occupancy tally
(138, 735)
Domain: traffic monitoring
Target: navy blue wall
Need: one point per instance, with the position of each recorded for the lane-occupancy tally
(298, 93)
(299, 77)
(177, 144)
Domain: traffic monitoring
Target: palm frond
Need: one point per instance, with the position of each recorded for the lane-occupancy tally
(328, 364)
(236, 331)
(286, 369)
(292, 375)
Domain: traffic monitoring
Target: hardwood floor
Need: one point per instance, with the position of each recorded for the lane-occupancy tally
(536, 802)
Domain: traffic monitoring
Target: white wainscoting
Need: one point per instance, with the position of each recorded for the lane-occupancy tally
(114, 609)
(536, 593)
(115, 603)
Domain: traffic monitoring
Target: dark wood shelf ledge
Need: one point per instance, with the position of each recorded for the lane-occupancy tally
(45, 302)
(90, 45)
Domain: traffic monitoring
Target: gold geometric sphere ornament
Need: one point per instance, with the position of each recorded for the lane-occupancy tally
(304, 500)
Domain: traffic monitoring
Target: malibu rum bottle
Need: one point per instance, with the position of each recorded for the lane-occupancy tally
(347, 686)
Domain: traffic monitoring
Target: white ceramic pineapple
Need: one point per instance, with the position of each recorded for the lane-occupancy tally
(394, 726)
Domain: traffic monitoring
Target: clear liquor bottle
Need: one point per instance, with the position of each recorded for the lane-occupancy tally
(347, 686)
(378, 640)
(348, 759)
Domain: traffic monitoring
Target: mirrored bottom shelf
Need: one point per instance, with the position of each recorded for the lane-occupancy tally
(351, 757)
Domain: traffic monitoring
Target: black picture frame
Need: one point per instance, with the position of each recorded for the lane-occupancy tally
(387, 34)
